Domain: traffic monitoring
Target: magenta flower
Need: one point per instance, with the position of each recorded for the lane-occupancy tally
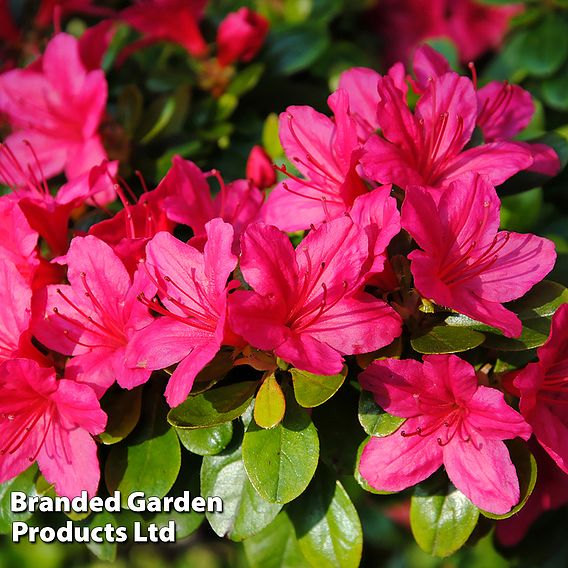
(308, 304)
(467, 264)
(49, 421)
(18, 241)
(240, 36)
(325, 151)
(189, 200)
(49, 214)
(474, 28)
(94, 317)
(192, 287)
(427, 147)
(131, 228)
(260, 169)
(56, 105)
(167, 20)
(46, 11)
(503, 110)
(543, 387)
(15, 311)
(450, 420)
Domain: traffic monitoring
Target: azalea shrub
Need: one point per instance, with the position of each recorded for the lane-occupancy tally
(309, 257)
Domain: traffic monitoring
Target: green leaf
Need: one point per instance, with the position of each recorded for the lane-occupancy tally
(150, 458)
(293, 48)
(123, 410)
(448, 49)
(270, 404)
(106, 550)
(245, 512)
(542, 49)
(521, 212)
(157, 118)
(213, 407)
(375, 421)
(185, 523)
(281, 462)
(526, 467)
(312, 390)
(446, 339)
(24, 482)
(246, 80)
(276, 546)
(270, 139)
(441, 517)
(327, 525)
(206, 441)
(555, 90)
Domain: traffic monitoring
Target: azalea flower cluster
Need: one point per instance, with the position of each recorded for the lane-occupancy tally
(396, 206)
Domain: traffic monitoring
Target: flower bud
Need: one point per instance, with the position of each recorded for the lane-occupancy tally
(240, 36)
(259, 168)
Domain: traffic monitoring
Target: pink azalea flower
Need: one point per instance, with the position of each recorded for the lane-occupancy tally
(474, 28)
(49, 214)
(260, 169)
(94, 318)
(49, 421)
(192, 287)
(130, 229)
(325, 151)
(503, 110)
(361, 83)
(57, 107)
(167, 20)
(550, 492)
(308, 304)
(240, 36)
(18, 241)
(189, 200)
(543, 387)
(15, 311)
(427, 147)
(450, 420)
(467, 264)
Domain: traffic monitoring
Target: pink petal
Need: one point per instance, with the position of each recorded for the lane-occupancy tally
(396, 462)
(268, 261)
(487, 477)
(307, 353)
(181, 381)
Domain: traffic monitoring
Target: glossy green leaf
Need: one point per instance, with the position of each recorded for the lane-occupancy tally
(327, 525)
(150, 458)
(555, 90)
(270, 138)
(206, 441)
(441, 518)
(312, 390)
(246, 80)
(245, 512)
(292, 48)
(541, 49)
(281, 462)
(213, 407)
(24, 482)
(270, 404)
(526, 467)
(276, 546)
(375, 421)
(521, 212)
(446, 339)
(123, 410)
(106, 550)
(185, 523)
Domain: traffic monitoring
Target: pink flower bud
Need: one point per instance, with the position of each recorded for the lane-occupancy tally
(240, 36)
(259, 168)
